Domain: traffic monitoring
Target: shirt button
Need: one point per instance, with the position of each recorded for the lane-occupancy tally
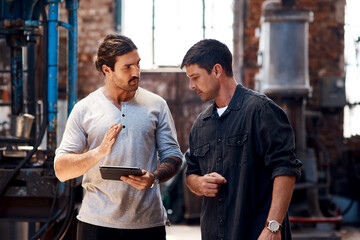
(221, 221)
(123, 126)
(239, 142)
(218, 159)
(220, 199)
(219, 140)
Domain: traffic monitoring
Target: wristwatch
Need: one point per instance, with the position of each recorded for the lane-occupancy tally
(273, 225)
(156, 180)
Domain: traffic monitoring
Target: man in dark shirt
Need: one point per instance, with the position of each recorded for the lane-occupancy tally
(241, 156)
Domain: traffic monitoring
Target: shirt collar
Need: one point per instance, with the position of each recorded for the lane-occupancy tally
(235, 102)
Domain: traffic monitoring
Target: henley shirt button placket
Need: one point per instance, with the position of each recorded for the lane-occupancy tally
(123, 115)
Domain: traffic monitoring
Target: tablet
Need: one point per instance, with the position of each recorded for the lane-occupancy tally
(115, 172)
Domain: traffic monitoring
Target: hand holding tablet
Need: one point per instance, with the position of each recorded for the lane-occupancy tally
(115, 172)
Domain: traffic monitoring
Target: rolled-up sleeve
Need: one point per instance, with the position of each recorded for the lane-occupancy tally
(276, 141)
(193, 166)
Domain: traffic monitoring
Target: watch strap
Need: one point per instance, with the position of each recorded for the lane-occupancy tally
(156, 180)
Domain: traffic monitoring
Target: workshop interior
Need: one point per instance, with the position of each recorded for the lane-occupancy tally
(294, 51)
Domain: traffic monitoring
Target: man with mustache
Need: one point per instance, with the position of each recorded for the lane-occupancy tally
(120, 124)
(241, 156)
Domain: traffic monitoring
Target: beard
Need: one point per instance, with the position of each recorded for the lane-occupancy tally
(130, 85)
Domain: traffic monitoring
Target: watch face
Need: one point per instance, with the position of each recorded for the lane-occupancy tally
(273, 225)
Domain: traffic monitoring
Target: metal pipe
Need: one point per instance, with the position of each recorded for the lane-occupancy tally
(53, 62)
(17, 97)
(239, 11)
(31, 84)
(118, 16)
(72, 6)
(203, 19)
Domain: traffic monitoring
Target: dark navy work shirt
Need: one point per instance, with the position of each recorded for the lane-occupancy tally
(250, 144)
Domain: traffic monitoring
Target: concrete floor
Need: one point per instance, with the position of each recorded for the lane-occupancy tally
(181, 232)
(350, 233)
(192, 232)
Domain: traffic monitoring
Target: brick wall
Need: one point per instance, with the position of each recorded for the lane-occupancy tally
(326, 58)
(95, 21)
(184, 103)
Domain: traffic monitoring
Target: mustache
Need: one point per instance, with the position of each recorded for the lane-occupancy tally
(134, 78)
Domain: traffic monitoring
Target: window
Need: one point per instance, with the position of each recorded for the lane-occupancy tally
(352, 62)
(164, 30)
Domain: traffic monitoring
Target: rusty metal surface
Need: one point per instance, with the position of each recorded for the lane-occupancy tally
(33, 195)
(30, 182)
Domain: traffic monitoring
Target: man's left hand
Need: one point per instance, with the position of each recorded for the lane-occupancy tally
(139, 182)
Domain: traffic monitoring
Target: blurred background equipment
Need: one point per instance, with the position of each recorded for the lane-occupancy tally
(34, 204)
(303, 54)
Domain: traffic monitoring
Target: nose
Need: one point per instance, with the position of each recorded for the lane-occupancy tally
(191, 85)
(136, 71)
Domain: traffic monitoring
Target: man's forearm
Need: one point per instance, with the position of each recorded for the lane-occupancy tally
(194, 184)
(74, 165)
(281, 197)
(168, 168)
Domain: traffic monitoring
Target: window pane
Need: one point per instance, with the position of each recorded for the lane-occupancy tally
(352, 61)
(178, 25)
(137, 25)
(219, 21)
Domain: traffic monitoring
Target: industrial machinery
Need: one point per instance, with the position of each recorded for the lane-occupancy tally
(33, 203)
(284, 77)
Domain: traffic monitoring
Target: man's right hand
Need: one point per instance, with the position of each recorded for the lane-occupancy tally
(104, 149)
(72, 165)
(207, 185)
(211, 184)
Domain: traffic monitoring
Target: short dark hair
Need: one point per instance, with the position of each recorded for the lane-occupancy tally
(208, 52)
(113, 45)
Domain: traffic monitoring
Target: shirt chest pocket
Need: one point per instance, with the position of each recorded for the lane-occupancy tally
(236, 149)
(237, 140)
(202, 150)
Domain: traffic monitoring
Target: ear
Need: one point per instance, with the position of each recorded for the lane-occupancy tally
(106, 70)
(217, 70)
